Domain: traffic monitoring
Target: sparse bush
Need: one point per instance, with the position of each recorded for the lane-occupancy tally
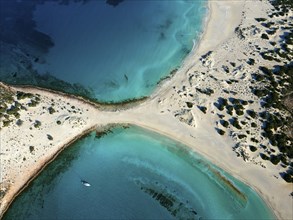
(251, 113)
(203, 109)
(49, 137)
(12, 110)
(226, 68)
(254, 140)
(224, 123)
(206, 91)
(32, 103)
(252, 148)
(275, 159)
(287, 177)
(251, 61)
(229, 109)
(260, 92)
(234, 122)
(6, 123)
(239, 112)
(243, 122)
(32, 148)
(16, 115)
(51, 110)
(241, 136)
(260, 19)
(19, 122)
(21, 95)
(220, 131)
(263, 156)
(189, 104)
(37, 124)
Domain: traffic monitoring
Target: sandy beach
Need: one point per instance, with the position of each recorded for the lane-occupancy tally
(177, 109)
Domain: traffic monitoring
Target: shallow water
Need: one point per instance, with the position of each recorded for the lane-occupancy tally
(135, 174)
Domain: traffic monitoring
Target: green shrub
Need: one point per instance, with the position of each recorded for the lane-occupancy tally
(252, 148)
(251, 113)
(220, 131)
(32, 148)
(203, 109)
(51, 110)
(23, 95)
(287, 177)
(12, 110)
(206, 91)
(260, 19)
(254, 140)
(265, 36)
(189, 104)
(32, 103)
(275, 159)
(49, 137)
(229, 109)
(235, 123)
(239, 112)
(264, 157)
(241, 136)
(37, 124)
(6, 123)
(224, 123)
(19, 122)
(250, 61)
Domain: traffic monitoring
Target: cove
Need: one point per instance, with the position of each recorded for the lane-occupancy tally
(135, 174)
(121, 52)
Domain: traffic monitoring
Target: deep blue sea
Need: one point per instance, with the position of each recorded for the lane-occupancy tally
(135, 174)
(115, 52)
(118, 52)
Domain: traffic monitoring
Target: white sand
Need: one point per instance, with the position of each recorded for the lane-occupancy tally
(165, 112)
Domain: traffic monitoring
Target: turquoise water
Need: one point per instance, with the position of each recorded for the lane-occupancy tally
(120, 52)
(135, 174)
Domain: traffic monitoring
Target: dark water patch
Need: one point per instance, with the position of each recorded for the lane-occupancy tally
(108, 129)
(18, 26)
(169, 199)
(32, 51)
(114, 2)
(22, 45)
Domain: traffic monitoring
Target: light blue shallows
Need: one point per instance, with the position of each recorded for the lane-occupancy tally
(135, 174)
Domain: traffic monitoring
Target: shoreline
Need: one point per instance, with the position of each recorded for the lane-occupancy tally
(44, 165)
(105, 128)
(105, 106)
(146, 115)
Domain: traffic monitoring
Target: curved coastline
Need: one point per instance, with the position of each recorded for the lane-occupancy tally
(221, 174)
(43, 166)
(110, 126)
(163, 88)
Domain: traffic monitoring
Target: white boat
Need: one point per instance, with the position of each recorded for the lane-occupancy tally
(85, 183)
